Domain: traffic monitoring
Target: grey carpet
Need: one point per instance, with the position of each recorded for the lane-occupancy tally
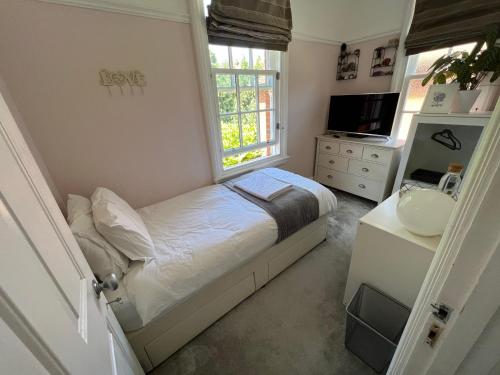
(295, 324)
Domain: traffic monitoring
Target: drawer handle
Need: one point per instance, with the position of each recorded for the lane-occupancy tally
(331, 161)
(362, 186)
(375, 156)
(365, 169)
(329, 176)
(349, 151)
(328, 147)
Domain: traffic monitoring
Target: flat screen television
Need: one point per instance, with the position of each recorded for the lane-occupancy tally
(364, 114)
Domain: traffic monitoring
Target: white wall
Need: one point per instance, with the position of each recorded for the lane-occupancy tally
(484, 357)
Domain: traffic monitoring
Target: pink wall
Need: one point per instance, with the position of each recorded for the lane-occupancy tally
(312, 80)
(364, 83)
(146, 147)
(310, 84)
(152, 146)
(4, 91)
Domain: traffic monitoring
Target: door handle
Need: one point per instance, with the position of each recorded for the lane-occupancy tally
(110, 282)
(375, 156)
(349, 151)
(331, 161)
(365, 169)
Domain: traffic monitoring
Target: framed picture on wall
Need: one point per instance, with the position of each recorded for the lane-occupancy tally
(439, 98)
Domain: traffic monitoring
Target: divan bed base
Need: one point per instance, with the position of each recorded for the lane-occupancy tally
(162, 337)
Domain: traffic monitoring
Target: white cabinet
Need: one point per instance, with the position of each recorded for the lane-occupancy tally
(422, 153)
(388, 257)
(365, 167)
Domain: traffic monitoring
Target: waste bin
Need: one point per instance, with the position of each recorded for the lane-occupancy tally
(374, 326)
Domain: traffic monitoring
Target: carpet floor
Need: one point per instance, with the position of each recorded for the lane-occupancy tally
(295, 324)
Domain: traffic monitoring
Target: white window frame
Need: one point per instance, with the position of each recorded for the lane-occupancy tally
(410, 74)
(210, 103)
(275, 109)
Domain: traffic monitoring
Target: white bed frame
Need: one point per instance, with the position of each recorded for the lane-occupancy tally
(162, 337)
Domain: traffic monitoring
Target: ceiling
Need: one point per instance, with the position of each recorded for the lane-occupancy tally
(347, 20)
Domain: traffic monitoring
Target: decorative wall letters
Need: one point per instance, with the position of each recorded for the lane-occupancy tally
(132, 78)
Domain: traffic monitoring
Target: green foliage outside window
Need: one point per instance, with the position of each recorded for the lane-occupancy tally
(226, 89)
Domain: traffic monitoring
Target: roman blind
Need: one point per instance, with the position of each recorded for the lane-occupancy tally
(263, 24)
(445, 23)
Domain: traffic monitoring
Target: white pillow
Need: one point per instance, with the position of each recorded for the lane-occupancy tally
(121, 225)
(78, 206)
(102, 257)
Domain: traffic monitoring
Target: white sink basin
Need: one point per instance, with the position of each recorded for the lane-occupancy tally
(425, 211)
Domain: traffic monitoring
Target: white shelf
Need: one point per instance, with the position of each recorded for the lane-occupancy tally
(460, 115)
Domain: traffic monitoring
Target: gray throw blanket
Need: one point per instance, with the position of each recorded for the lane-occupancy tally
(292, 210)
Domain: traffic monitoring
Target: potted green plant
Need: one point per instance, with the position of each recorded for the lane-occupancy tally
(468, 70)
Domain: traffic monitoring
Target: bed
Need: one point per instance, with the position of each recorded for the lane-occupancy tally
(214, 249)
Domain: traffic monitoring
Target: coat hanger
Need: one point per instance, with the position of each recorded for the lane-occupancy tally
(447, 139)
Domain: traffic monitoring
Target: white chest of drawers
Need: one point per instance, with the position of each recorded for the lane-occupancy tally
(363, 167)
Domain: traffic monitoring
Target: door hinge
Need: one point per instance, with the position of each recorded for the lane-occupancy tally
(277, 125)
(441, 312)
(277, 76)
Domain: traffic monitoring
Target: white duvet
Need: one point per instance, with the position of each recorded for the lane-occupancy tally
(200, 236)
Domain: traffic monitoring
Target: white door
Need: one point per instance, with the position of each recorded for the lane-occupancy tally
(51, 319)
(464, 275)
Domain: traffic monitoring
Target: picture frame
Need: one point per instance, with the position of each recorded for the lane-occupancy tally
(439, 98)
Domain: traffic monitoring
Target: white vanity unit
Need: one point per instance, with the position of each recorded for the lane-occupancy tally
(388, 257)
(365, 167)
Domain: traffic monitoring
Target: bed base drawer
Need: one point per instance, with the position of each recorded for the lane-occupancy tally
(302, 247)
(171, 340)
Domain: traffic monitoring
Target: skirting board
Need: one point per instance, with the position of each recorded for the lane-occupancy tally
(165, 335)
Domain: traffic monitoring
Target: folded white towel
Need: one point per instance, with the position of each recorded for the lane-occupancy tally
(262, 186)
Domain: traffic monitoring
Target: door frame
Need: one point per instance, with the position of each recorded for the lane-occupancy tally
(413, 356)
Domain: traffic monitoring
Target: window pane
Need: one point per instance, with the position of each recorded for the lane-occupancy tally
(248, 100)
(404, 125)
(219, 56)
(245, 157)
(259, 59)
(266, 80)
(230, 132)
(426, 59)
(249, 127)
(227, 101)
(273, 60)
(416, 95)
(225, 81)
(246, 80)
(266, 122)
(241, 58)
(265, 98)
(464, 47)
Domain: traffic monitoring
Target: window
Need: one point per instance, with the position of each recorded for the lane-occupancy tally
(413, 92)
(246, 83)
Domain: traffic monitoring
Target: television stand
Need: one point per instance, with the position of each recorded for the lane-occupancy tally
(371, 137)
(356, 135)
